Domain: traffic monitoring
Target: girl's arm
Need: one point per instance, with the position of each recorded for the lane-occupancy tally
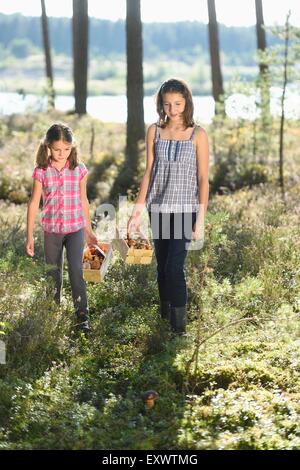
(91, 239)
(202, 152)
(32, 209)
(135, 219)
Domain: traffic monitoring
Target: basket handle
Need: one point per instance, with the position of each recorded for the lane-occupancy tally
(99, 249)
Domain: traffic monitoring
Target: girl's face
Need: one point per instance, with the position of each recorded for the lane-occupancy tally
(173, 105)
(60, 151)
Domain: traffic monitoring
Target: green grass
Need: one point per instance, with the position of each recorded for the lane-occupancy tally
(233, 383)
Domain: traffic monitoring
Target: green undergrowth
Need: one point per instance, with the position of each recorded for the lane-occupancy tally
(232, 383)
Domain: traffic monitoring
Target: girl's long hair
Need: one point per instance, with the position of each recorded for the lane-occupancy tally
(57, 131)
(175, 85)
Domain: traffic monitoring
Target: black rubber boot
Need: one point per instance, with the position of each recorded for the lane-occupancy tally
(83, 322)
(165, 309)
(178, 320)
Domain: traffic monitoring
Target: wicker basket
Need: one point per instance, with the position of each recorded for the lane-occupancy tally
(97, 275)
(133, 255)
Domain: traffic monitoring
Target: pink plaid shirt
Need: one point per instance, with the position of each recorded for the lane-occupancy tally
(62, 208)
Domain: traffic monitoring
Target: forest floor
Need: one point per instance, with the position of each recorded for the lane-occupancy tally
(232, 383)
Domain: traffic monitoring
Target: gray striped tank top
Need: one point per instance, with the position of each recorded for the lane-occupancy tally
(173, 184)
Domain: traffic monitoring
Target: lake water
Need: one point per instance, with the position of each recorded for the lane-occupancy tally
(114, 108)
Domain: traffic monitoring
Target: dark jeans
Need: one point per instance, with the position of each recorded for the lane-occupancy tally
(171, 235)
(54, 244)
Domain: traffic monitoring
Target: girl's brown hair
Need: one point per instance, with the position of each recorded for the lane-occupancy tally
(174, 85)
(57, 131)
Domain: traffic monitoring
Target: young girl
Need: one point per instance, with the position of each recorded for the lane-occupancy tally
(61, 179)
(175, 189)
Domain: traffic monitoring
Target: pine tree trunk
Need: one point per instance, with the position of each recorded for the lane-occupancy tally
(135, 89)
(46, 42)
(260, 33)
(80, 53)
(216, 73)
(263, 67)
(282, 118)
(135, 135)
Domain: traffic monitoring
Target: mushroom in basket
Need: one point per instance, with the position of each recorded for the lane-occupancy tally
(93, 257)
(138, 243)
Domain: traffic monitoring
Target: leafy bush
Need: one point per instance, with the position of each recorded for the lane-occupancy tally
(230, 175)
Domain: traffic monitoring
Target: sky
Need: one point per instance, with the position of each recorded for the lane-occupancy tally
(229, 12)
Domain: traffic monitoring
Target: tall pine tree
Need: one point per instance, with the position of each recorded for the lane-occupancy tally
(80, 53)
(46, 42)
(216, 73)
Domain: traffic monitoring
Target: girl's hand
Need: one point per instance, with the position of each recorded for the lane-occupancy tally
(91, 238)
(134, 223)
(197, 231)
(30, 247)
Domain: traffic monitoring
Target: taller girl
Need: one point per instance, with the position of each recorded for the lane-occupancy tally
(175, 189)
(61, 179)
